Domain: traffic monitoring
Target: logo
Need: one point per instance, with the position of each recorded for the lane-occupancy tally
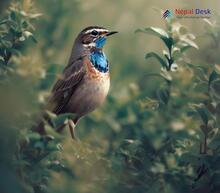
(187, 13)
(193, 13)
(167, 14)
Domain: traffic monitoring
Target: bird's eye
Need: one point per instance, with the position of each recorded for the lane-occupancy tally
(94, 32)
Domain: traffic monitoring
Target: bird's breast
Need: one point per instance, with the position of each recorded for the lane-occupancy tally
(98, 84)
(94, 74)
(92, 91)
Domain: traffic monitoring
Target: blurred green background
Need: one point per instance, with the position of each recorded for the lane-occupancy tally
(134, 143)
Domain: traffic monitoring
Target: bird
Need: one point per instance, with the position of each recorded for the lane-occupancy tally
(84, 82)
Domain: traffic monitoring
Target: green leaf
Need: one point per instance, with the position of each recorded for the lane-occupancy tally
(35, 15)
(176, 53)
(24, 24)
(3, 22)
(186, 39)
(159, 58)
(33, 136)
(2, 59)
(13, 15)
(162, 34)
(208, 22)
(213, 76)
(51, 132)
(157, 31)
(33, 39)
(8, 37)
(166, 75)
(39, 145)
(184, 48)
(28, 34)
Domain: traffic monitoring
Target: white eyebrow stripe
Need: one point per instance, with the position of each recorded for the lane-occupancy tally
(97, 29)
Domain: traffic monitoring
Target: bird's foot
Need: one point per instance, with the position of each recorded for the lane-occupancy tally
(72, 127)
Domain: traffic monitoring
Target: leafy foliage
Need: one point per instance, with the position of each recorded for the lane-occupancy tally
(162, 140)
(177, 41)
(31, 157)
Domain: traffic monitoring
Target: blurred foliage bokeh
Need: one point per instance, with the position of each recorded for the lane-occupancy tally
(158, 130)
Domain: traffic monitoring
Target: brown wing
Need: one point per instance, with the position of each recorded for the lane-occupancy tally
(65, 86)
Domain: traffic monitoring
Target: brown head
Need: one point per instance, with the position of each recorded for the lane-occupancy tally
(88, 38)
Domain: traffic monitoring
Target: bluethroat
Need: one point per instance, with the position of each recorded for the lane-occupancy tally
(85, 81)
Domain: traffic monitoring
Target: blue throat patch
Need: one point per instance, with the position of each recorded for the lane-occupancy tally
(100, 42)
(99, 61)
(98, 58)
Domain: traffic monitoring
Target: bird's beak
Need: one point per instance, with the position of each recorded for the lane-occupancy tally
(111, 33)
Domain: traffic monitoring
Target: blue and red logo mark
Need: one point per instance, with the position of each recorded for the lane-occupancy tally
(188, 13)
(167, 14)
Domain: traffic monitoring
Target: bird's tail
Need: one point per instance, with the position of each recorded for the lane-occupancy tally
(39, 127)
(40, 122)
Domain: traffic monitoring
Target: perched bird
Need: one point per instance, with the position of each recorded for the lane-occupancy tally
(85, 81)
